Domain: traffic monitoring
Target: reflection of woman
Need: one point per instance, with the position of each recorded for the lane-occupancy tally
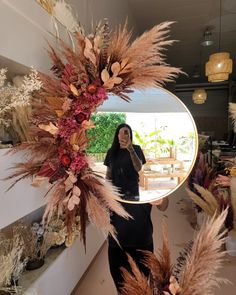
(123, 162)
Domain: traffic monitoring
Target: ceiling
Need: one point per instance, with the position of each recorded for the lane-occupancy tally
(192, 17)
(150, 100)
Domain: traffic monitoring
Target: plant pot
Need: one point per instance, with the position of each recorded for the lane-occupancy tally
(34, 264)
(230, 243)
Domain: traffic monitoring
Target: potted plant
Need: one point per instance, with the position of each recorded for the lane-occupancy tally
(56, 231)
(36, 244)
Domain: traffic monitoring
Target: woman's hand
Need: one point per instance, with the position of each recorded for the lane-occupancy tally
(126, 143)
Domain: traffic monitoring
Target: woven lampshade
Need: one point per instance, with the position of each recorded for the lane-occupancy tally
(199, 96)
(219, 67)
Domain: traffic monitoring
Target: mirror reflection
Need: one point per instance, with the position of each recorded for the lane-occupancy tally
(147, 147)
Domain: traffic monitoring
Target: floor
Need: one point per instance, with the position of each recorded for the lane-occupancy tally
(179, 217)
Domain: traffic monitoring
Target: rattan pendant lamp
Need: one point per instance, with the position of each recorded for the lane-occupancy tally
(219, 66)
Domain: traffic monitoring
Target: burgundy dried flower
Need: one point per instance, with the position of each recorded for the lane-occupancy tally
(92, 88)
(80, 117)
(65, 160)
(79, 161)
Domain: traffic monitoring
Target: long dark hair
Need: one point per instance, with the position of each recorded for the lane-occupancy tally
(116, 145)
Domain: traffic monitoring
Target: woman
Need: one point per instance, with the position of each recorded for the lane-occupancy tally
(124, 160)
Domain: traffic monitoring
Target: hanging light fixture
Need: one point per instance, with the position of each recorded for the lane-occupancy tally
(199, 95)
(207, 38)
(219, 65)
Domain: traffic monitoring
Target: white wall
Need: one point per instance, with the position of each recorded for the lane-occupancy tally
(94, 10)
(22, 199)
(25, 26)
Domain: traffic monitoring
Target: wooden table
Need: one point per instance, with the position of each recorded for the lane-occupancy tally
(145, 175)
(152, 175)
(166, 161)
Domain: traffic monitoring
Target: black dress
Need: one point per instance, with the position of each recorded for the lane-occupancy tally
(133, 234)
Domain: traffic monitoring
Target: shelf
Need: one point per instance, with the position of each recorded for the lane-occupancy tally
(63, 267)
(22, 199)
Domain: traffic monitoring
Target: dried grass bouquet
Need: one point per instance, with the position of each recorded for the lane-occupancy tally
(195, 271)
(15, 100)
(12, 263)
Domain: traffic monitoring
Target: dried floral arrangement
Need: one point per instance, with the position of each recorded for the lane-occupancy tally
(56, 231)
(15, 103)
(36, 241)
(208, 189)
(195, 271)
(12, 263)
(101, 63)
(213, 190)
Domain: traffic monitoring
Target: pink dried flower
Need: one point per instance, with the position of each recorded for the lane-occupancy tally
(67, 127)
(96, 98)
(78, 162)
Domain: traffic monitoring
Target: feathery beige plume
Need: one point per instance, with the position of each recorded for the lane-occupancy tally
(135, 283)
(100, 216)
(203, 262)
(207, 201)
(63, 13)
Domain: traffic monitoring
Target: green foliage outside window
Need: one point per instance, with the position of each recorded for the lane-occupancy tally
(102, 135)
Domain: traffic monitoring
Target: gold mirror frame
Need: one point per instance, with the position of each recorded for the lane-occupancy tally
(193, 161)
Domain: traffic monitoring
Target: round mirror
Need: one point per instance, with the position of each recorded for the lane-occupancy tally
(165, 130)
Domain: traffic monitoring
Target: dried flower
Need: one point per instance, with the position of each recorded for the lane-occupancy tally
(102, 64)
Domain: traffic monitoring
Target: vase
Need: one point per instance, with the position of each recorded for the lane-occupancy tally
(230, 243)
(34, 264)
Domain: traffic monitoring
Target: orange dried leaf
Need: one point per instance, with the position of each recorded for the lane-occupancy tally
(115, 68)
(117, 80)
(105, 75)
(51, 128)
(59, 113)
(55, 102)
(74, 90)
(74, 139)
